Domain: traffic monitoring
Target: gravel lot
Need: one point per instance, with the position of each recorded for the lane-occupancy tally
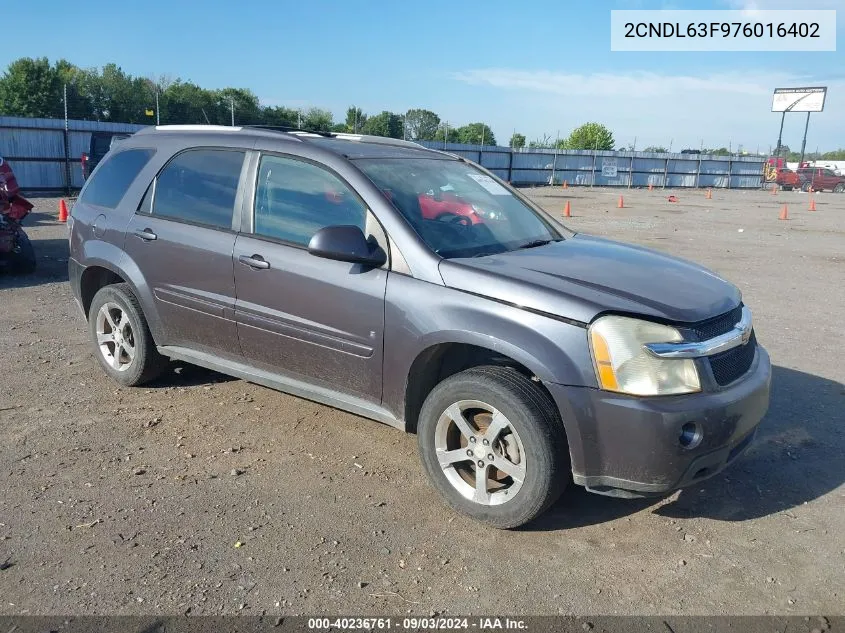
(209, 495)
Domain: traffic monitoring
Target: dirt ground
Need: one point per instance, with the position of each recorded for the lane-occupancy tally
(207, 495)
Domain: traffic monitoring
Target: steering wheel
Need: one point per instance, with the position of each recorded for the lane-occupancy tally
(454, 218)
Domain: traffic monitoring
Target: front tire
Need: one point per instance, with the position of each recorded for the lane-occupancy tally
(492, 443)
(122, 340)
(839, 188)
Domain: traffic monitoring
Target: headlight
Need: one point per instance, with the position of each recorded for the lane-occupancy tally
(622, 363)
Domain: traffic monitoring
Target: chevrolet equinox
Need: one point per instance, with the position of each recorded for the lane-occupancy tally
(414, 287)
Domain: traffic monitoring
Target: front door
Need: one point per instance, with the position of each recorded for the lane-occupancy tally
(310, 318)
(182, 239)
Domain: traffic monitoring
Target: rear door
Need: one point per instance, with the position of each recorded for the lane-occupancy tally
(310, 318)
(829, 179)
(182, 238)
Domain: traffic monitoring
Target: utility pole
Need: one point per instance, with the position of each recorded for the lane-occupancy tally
(804, 142)
(233, 111)
(158, 118)
(554, 160)
(68, 182)
(780, 135)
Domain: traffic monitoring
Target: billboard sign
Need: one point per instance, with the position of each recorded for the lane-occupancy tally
(799, 99)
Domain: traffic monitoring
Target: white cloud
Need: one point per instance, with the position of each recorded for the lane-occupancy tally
(717, 109)
(635, 85)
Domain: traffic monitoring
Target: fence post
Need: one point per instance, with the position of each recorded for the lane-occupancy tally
(698, 173)
(510, 165)
(666, 173)
(67, 148)
(631, 173)
(730, 170)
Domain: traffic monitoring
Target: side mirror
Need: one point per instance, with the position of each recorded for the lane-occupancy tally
(345, 243)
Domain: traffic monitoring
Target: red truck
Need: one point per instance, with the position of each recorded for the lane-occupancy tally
(821, 179)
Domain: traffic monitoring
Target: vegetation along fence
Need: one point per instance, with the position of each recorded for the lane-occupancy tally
(45, 155)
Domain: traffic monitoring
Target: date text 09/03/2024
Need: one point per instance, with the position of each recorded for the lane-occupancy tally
(416, 623)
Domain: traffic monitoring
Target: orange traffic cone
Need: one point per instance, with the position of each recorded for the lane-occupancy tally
(62, 210)
(784, 213)
(650, 187)
(621, 203)
(775, 189)
(709, 194)
(567, 210)
(812, 203)
(565, 185)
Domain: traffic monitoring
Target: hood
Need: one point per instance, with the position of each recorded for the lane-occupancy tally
(583, 276)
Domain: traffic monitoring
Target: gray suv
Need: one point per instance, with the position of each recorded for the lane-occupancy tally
(415, 288)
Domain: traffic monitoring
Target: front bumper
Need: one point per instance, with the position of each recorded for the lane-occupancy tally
(630, 446)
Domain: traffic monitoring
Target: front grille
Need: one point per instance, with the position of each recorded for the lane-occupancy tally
(730, 365)
(717, 325)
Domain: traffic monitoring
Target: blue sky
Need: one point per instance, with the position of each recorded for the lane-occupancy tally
(536, 67)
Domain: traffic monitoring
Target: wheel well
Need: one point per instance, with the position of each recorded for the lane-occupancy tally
(94, 278)
(438, 362)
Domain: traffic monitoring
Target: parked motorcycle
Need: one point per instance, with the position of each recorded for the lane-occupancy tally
(16, 252)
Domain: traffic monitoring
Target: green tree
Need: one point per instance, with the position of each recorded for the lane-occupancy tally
(318, 119)
(384, 124)
(541, 143)
(476, 134)
(517, 140)
(451, 133)
(246, 106)
(838, 154)
(657, 149)
(590, 136)
(355, 119)
(278, 115)
(30, 88)
(421, 125)
(185, 102)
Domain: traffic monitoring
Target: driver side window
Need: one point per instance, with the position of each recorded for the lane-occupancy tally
(294, 199)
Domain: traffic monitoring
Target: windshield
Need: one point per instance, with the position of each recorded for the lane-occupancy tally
(458, 210)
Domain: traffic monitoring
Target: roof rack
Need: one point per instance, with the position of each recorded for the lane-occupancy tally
(380, 140)
(188, 128)
(289, 130)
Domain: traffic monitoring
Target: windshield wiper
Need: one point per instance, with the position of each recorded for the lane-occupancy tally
(535, 243)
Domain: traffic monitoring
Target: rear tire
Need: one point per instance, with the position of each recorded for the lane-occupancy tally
(806, 187)
(480, 432)
(122, 341)
(23, 261)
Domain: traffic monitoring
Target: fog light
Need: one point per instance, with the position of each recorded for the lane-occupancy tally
(690, 435)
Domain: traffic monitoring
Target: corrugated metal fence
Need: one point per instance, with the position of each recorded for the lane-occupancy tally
(46, 157)
(613, 169)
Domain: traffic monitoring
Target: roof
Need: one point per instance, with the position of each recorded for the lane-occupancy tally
(350, 146)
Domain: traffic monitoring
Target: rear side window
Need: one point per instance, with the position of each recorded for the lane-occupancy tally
(295, 199)
(100, 144)
(113, 177)
(199, 186)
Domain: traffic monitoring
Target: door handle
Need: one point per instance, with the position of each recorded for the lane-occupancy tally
(146, 234)
(254, 261)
